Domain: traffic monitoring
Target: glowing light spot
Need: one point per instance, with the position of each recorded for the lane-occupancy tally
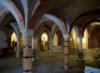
(44, 37)
(13, 37)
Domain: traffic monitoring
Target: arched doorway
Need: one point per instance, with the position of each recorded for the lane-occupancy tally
(14, 42)
(13, 37)
(44, 41)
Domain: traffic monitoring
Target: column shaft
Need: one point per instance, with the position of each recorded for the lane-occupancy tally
(80, 54)
(51, 47)
(66, 55)
(18, 48)
(80, 47)
(27, 52)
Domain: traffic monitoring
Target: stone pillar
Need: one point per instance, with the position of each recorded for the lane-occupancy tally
(80, 51)
(80, 54)
(18, 47)
(38, 46)
(51, 46)
(36, 42)
(27, 51)
(66, 52)
(34, 47)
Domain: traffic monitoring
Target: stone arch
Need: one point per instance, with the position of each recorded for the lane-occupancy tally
(35, 7)
(15, 28)
(53, 30)
(3, 14)
(90, 22)
(25, 7)
(45, 29)
(57, 21)
(11, 7)
(47, 32)
(84, 18)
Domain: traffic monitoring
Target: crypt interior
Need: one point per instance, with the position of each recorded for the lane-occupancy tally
(49, 36)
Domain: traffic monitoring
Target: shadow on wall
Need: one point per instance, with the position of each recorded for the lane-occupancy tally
(5, 46)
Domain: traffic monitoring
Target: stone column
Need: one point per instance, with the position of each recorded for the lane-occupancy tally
(34, 47)
(66, 52)
(80, 54)
(27, 51)
(36, 44)
(18, 47)
(51, 46)
(80, 51)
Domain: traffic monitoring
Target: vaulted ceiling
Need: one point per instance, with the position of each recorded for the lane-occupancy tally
(59, 8)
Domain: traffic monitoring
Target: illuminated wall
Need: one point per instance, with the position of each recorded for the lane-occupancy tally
(55, 40)
(85, 40)
(74, 39)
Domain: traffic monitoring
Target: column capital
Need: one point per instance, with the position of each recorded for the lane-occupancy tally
(27, 35)
(27, 32)
(66, 37)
